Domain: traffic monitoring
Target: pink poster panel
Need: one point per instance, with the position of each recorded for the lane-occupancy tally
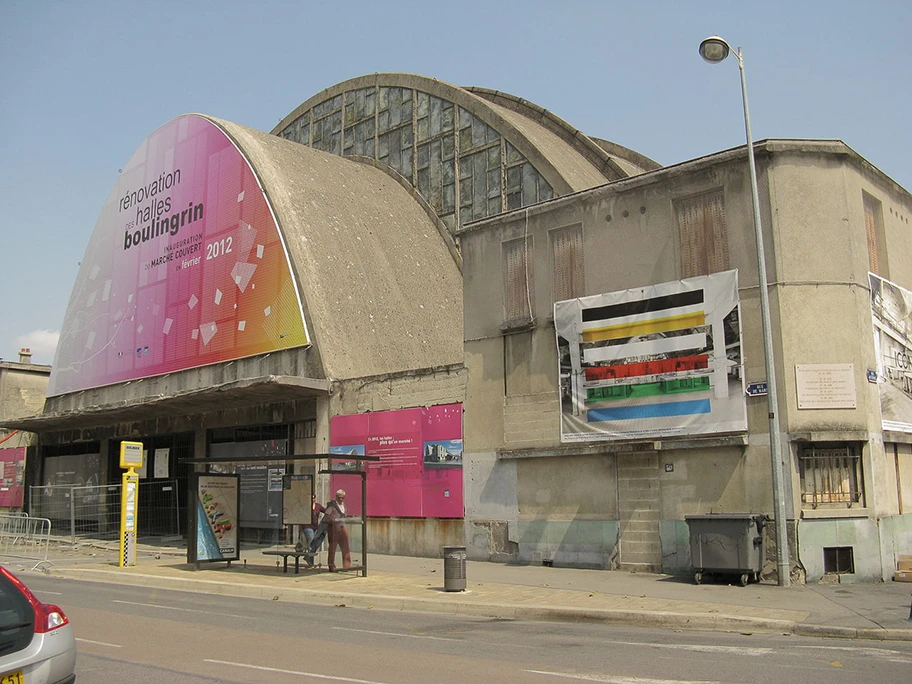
(419, 474)
(186, 267)
(12, 475)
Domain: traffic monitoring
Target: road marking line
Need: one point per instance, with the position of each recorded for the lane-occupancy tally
(183, 610)
(292, 672)
(612, 679)
(395, 634)
(736, 650)
(98, 643)
(885, 653)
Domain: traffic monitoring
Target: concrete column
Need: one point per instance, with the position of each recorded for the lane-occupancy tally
(321, 446)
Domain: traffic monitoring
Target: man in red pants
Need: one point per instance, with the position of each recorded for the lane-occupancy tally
(338, 535)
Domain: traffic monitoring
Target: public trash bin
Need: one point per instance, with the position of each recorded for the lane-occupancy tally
(454, 568)
(727, 544)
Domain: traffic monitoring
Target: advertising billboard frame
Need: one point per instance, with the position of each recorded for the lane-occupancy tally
(656, 361)
(891, 316)
(417, 459)
(206, 521)
(187, 267)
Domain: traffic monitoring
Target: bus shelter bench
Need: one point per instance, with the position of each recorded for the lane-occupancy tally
(297, 555)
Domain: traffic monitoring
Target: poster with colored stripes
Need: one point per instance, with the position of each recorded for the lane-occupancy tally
(653, 361)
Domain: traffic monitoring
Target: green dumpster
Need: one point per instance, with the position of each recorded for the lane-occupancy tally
(727, 544)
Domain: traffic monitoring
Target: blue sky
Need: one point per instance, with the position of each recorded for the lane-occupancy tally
(84, 83)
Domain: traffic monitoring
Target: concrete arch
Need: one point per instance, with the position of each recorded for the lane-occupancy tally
(381, 290)
(565, 159)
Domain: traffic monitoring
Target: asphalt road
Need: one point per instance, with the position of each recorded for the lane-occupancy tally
(149, 635)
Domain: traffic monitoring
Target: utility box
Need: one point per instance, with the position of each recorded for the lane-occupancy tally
(727, 544)
(454, 568)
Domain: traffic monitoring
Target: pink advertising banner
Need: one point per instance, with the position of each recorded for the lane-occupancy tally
(186, 267)
(419, 473)
(12, 476)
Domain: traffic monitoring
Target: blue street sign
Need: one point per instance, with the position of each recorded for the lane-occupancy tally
(756, 389)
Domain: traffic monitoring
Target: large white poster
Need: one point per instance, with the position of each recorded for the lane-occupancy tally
(891, 308)
(652, 361)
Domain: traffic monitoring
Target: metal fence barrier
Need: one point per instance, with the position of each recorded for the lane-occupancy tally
(23, 536)
(93, 512)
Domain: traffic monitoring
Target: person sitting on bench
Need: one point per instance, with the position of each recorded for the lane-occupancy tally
(308, 531)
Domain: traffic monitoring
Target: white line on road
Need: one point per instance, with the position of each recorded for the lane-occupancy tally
(611, 679)
(292, 672)
(395, 634)
(98, 643)
(885, 653)
(183, 610)
(733, 650)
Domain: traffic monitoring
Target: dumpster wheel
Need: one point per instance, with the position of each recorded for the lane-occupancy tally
(745, 578)
(698, 578)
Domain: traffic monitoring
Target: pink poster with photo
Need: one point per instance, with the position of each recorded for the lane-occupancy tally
(419, 474)
(12, 476)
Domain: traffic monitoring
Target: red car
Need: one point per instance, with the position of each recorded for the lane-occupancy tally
(37, 645)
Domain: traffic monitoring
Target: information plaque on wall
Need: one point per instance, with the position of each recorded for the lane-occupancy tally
(826, 386)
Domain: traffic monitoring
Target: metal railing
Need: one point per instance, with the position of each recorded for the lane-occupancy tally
(25, 537)
(830, 476)
(93, 512)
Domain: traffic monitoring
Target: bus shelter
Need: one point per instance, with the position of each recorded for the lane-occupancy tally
(217, 496)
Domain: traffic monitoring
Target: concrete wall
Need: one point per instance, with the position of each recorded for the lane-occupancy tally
(22, 389)
(896, 540)
(861, 534)
(902, 456)
(431, 387)
(413, 537)
(817, 263)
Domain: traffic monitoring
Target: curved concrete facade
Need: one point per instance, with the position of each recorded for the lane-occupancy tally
(381, 291)
(380, 288)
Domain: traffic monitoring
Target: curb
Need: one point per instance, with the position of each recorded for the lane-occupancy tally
(883, 634)
(453, 606)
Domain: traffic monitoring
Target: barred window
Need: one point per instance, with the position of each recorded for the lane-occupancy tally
(831, 474)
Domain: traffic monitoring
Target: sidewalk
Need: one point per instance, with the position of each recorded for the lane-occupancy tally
(865, 611)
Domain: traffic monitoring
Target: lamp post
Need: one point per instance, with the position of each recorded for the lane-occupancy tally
(715, 49)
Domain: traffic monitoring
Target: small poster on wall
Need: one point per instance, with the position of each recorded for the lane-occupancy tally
(12, 474)
(161, 463)
(213, 528)
(143, 470)
(297, 508)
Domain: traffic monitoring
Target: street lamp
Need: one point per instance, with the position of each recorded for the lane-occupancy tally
(715, 49)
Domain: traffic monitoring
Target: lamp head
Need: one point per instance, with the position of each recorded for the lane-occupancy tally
(714, 49)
